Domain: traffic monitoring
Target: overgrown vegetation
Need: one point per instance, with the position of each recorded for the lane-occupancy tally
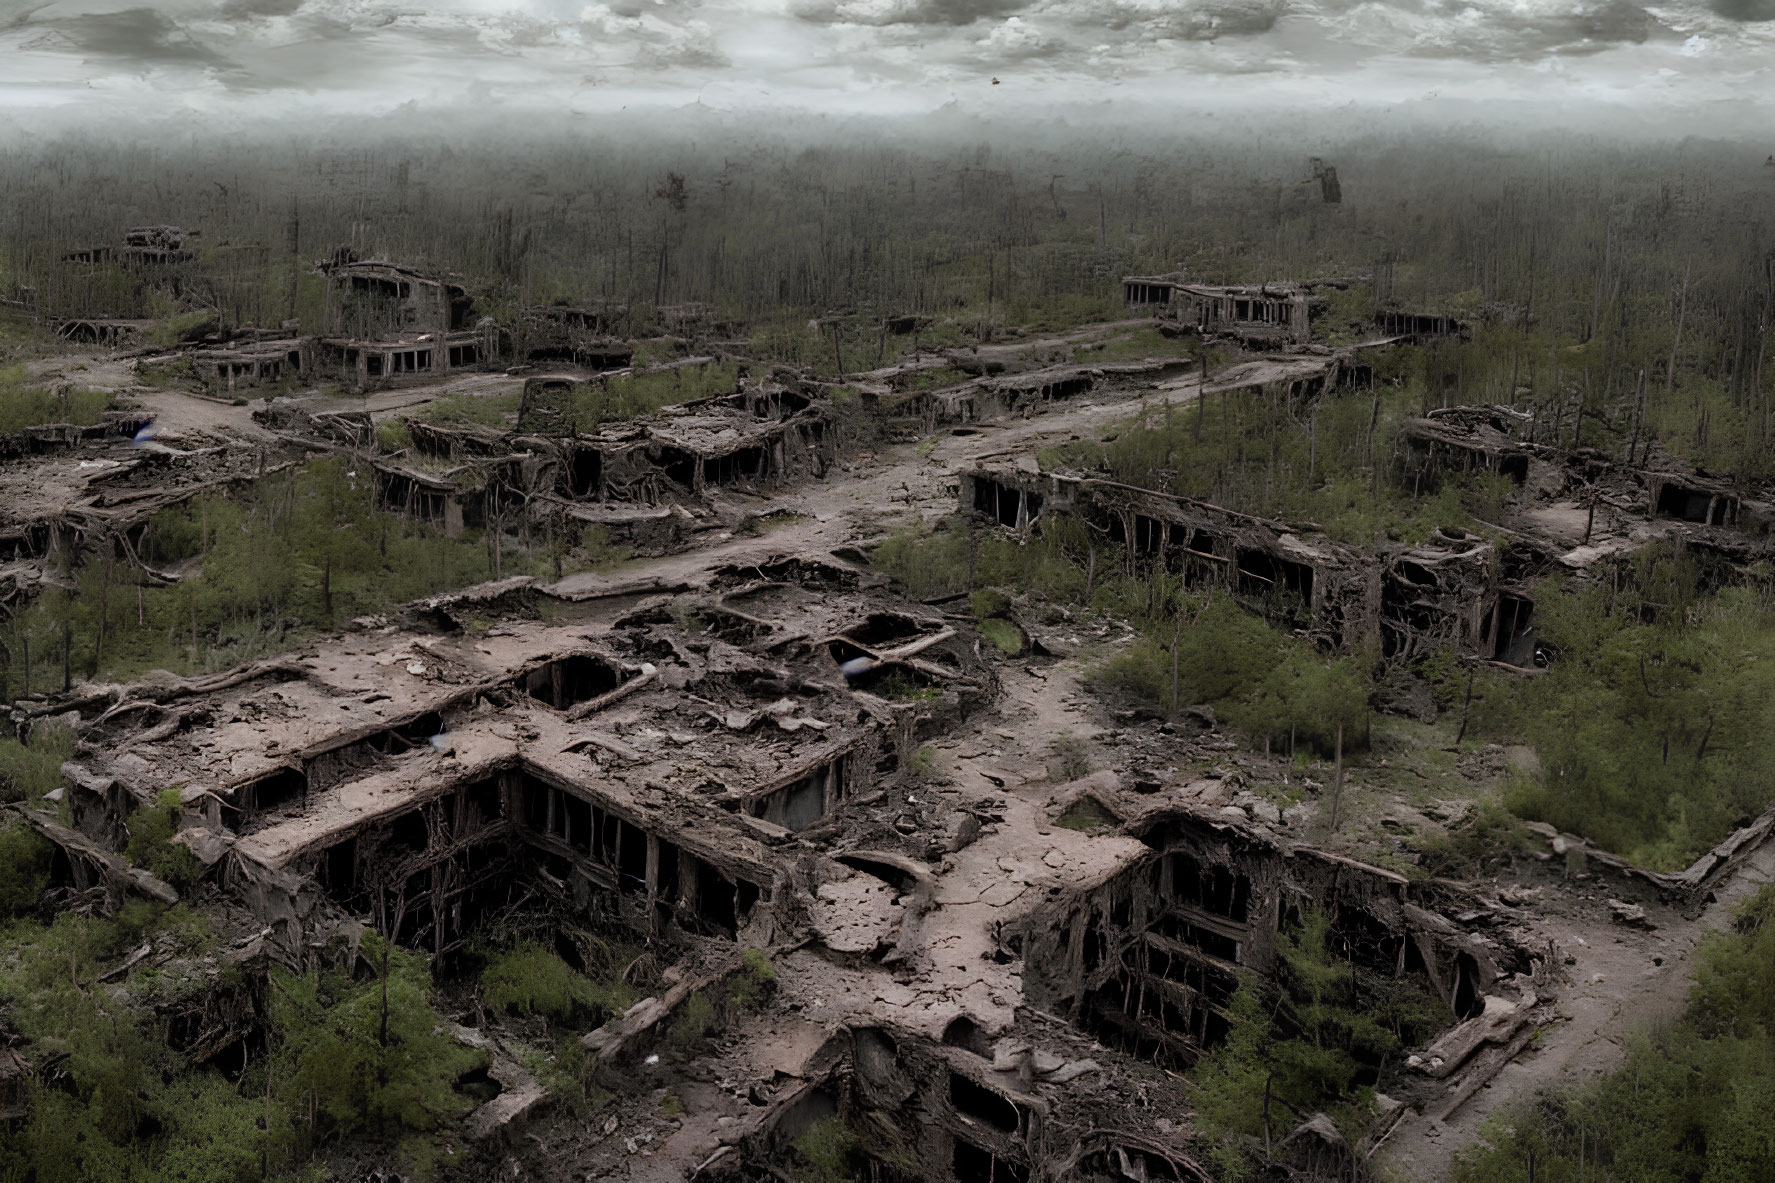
(630, 395)
(294, 553)
(529, 979)
(1311, 1040)
(365, 1055)
(1650, 723)
(151, 846)
(24, 868)
(121, 1105)
(29, 770)
(1691, 1102)
(1326, 463)
(1191, 647)
(27, 403)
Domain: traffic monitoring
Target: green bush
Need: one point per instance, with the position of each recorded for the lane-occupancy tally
(24, 868)
(1306, 1038)
(151, 846)
(1692, 1103)
(532, 980)
(29, 770)
(1488, 832)
(368, 1054)
(752, 986)
(696, 1017)
(122, 1106)
(1652, 737)
(1257, 678)
(24, 404)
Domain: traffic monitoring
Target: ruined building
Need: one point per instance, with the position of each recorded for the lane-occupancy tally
(388, 324)
(708, 769)
(1269, 313)
(142, 246)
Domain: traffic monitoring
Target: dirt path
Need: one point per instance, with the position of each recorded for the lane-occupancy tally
(861, 500)
(1624, 981)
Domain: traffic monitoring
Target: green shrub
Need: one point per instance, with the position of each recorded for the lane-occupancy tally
(1651, 737)
(1689, 1103)
(1306, 1038)
(29, 770)
(151, 846)
(1488, 832)
(753, 984)
(1004, 635)
(24, 868)
(531, 980)
(1257, 678)
(691, 1025)
(369, 1067)
(24, 404)
(1072, 756)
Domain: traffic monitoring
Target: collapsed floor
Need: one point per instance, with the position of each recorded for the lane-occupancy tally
(702, 768)
(727, 766)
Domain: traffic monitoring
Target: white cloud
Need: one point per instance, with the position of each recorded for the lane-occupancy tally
(268, 59)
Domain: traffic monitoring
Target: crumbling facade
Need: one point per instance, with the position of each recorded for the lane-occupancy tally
(386, 324)
(1265, 313)
(1455, 590)
(142, 247)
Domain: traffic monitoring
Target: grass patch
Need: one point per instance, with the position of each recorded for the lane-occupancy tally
(530, 979)
(26, 404)
(1087, 817)
(29, 770)
(151, 846)
(1004, 635)
(497, 411)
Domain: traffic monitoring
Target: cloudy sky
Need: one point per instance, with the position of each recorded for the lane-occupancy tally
(72, 62)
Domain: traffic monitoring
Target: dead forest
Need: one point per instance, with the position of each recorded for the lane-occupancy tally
(1155, 659)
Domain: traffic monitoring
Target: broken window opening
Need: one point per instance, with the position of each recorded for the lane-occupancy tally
(338, 874)
(1215, 889)
(1261, 573)
(679, 466)
(966, 1034)
(1199, 936)
(631, 857)
(802, 802)
(983, 1104)
(1468, 999)
(408, 832)
(1691, 505)
(535, 797)
(1149, 535)
(1510, 630)
(373, 365)
(1003, 503)
(272, 791)
(747, 465)
(585, 476)
(578, 820)
(717, 898)
(577, 678)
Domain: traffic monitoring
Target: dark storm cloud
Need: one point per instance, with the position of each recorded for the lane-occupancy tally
(1744, 10)
(953, 13)
(1200, 21)
(140, 35)
(1510, 32)
(235, 10)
